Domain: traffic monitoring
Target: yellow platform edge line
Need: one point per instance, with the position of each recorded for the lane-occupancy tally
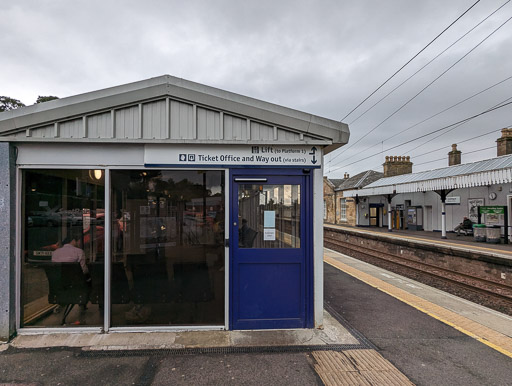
(414, 305)
(497, 251)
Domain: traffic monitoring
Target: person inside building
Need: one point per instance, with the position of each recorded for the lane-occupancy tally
(464, 226)
(70, 252)
(246, 235)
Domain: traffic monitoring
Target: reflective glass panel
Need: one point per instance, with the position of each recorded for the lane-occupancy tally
(63, 244)
(269, 216)
(167, 247)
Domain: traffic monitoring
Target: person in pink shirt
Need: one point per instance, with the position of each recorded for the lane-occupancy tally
(70, 252)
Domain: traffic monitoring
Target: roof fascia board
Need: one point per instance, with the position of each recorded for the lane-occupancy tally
(498, 176)
(313, 142)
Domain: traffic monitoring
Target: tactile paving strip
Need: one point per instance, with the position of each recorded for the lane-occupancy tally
(357, 367)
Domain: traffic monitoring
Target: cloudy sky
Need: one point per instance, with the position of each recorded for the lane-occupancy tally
(322, 57)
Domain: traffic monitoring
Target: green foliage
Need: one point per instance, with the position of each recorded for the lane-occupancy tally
(42, 99)
(7, 103)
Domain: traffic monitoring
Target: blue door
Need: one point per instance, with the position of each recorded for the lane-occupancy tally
(270, 249)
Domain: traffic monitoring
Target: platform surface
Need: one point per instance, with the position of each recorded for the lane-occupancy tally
(431, 336)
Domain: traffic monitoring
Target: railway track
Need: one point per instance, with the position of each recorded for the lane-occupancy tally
(488, 293)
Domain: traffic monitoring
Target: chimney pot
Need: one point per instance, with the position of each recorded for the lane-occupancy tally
(504, 144)
(454, 157)
(397, 165)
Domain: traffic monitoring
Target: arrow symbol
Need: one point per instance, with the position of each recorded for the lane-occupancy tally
(313, 153)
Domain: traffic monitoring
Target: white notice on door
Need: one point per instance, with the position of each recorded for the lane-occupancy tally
(269, 234)
(269, 219)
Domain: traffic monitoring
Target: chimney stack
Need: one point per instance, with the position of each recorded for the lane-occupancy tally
(505, 142)
(346, 176)
(454, 156)
(395, 166)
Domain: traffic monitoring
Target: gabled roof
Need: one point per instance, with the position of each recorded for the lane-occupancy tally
(335, 181)
(359, 180)
(168, 109)
(487, 172)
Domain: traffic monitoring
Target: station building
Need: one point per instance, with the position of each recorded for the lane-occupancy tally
(161, 204)
(439, 199)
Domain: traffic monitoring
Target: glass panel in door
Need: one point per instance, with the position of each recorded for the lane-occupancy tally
(269, 216)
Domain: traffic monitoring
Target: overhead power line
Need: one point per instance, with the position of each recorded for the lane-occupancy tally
(376, 166)
(430, 84)
(427, 134)
(427, 119)
(469, 152)
(453, 128)
(458, 143)
(430, 61)
(410, 60)
(449, 108)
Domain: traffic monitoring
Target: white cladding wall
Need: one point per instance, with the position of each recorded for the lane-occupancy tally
(454, 213)
(165, 119)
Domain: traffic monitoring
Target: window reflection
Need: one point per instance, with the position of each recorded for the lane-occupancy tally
(269, 216)
(62, 238)
(167, 247)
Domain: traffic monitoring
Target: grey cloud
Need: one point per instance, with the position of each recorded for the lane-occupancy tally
(322, 57)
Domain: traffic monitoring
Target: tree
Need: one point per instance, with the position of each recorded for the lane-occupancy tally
(42, 99)
(7, 103)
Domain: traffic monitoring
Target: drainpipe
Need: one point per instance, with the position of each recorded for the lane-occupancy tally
(357, 210)
(335, 209)
(390, 228)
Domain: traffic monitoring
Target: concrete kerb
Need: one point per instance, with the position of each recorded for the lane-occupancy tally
(333, 334)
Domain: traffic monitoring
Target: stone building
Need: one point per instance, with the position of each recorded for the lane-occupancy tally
(329, 200)
(341, 209)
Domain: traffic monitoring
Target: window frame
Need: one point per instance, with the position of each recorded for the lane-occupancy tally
(108, 256)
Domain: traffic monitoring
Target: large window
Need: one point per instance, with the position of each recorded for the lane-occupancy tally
(167, 247)
(63, 248)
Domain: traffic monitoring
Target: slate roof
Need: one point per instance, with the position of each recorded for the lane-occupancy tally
(358, 181)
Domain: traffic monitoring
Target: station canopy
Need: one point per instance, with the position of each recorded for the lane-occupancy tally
(167, 109)
(487, 172)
